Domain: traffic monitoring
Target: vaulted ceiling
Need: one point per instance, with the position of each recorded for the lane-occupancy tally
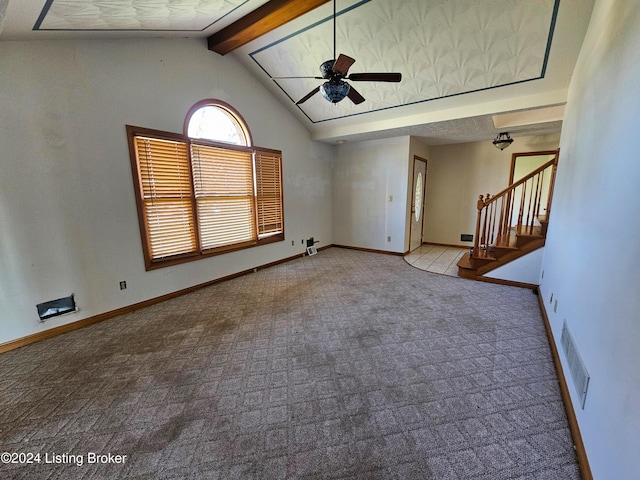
(465, 64)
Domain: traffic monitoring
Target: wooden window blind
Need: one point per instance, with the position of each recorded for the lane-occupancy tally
(223, 182)
(165, 184)
(198, 198)
(268, 166)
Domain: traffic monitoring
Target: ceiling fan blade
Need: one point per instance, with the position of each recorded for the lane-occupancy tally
(375, 77)
(308, 95)
(283, 78)
(354, 96)
(342, 64)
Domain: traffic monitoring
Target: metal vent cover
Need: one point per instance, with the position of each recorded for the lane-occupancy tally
(577, 368)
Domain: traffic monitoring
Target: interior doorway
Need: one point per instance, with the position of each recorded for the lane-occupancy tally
(419, 185)
(522, 164)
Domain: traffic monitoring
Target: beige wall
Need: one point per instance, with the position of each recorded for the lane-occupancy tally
(458, 174)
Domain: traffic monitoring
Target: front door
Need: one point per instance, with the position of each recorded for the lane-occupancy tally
(417, 202)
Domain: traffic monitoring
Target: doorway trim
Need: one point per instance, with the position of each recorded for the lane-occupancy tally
(514, 158)
(416, 159)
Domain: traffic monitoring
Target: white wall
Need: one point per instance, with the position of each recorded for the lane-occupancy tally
(525, 269)
(365, 175)
(68, 220)
(591, 256)
(459, 173)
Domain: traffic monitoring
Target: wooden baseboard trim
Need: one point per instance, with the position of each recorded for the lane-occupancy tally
(583, 461)
(371, 250)
(69, 327)
(510, 283)
(448, 245)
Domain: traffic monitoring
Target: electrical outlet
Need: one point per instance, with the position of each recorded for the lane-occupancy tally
(551, 299)
(292, 243)
(555, 306)
(389, 238)
(123, 285)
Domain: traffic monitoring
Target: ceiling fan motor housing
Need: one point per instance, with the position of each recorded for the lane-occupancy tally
(326, 69)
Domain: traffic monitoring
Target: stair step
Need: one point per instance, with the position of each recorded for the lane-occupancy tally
(467, 267)
(473, 263)
(473, 267)
(529, 231)
(503, 249)
(544, 223)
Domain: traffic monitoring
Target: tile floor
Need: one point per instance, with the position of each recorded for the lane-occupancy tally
(436, 258)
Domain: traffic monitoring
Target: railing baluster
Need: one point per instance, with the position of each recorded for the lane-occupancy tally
(476, 239)
(523, 195)
(494, 219)
(501, 223)
(535, 205)
(484, 227)
(529, 222)
(539, 201)
(510, 211)
(491, 219)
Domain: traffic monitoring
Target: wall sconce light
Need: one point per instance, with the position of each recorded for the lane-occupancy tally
(503, 140)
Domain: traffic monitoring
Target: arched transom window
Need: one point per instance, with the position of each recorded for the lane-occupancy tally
(217, 121)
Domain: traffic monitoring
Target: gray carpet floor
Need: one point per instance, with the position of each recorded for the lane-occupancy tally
(342, 365)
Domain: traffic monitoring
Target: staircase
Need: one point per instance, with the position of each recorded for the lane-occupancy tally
(511, 223)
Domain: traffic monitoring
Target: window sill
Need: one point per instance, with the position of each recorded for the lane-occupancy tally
(177, 260)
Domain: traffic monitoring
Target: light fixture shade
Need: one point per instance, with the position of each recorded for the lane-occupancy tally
(335, 91)
(503, 140)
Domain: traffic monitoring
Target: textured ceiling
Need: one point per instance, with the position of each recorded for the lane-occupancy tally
(461, 60)
(190, 15)
(442, 49)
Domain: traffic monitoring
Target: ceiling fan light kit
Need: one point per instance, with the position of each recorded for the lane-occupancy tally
(335, 92)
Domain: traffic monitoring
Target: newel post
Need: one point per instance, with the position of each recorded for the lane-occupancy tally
(476, 238)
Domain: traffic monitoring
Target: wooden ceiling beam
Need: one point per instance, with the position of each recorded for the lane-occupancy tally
(264, 19)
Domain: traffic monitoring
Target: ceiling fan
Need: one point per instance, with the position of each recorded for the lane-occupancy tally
(334, 71)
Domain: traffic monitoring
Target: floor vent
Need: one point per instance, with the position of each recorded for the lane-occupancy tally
(577, 368)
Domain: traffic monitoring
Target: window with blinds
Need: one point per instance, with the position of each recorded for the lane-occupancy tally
(198, 198)
(165, 188)
(268, 192)
(223, 183)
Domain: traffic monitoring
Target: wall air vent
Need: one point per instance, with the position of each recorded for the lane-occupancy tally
(577, 368)
(53, 308)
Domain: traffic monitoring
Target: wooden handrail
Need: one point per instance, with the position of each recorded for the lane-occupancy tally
(524, 179)
(496, 213)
